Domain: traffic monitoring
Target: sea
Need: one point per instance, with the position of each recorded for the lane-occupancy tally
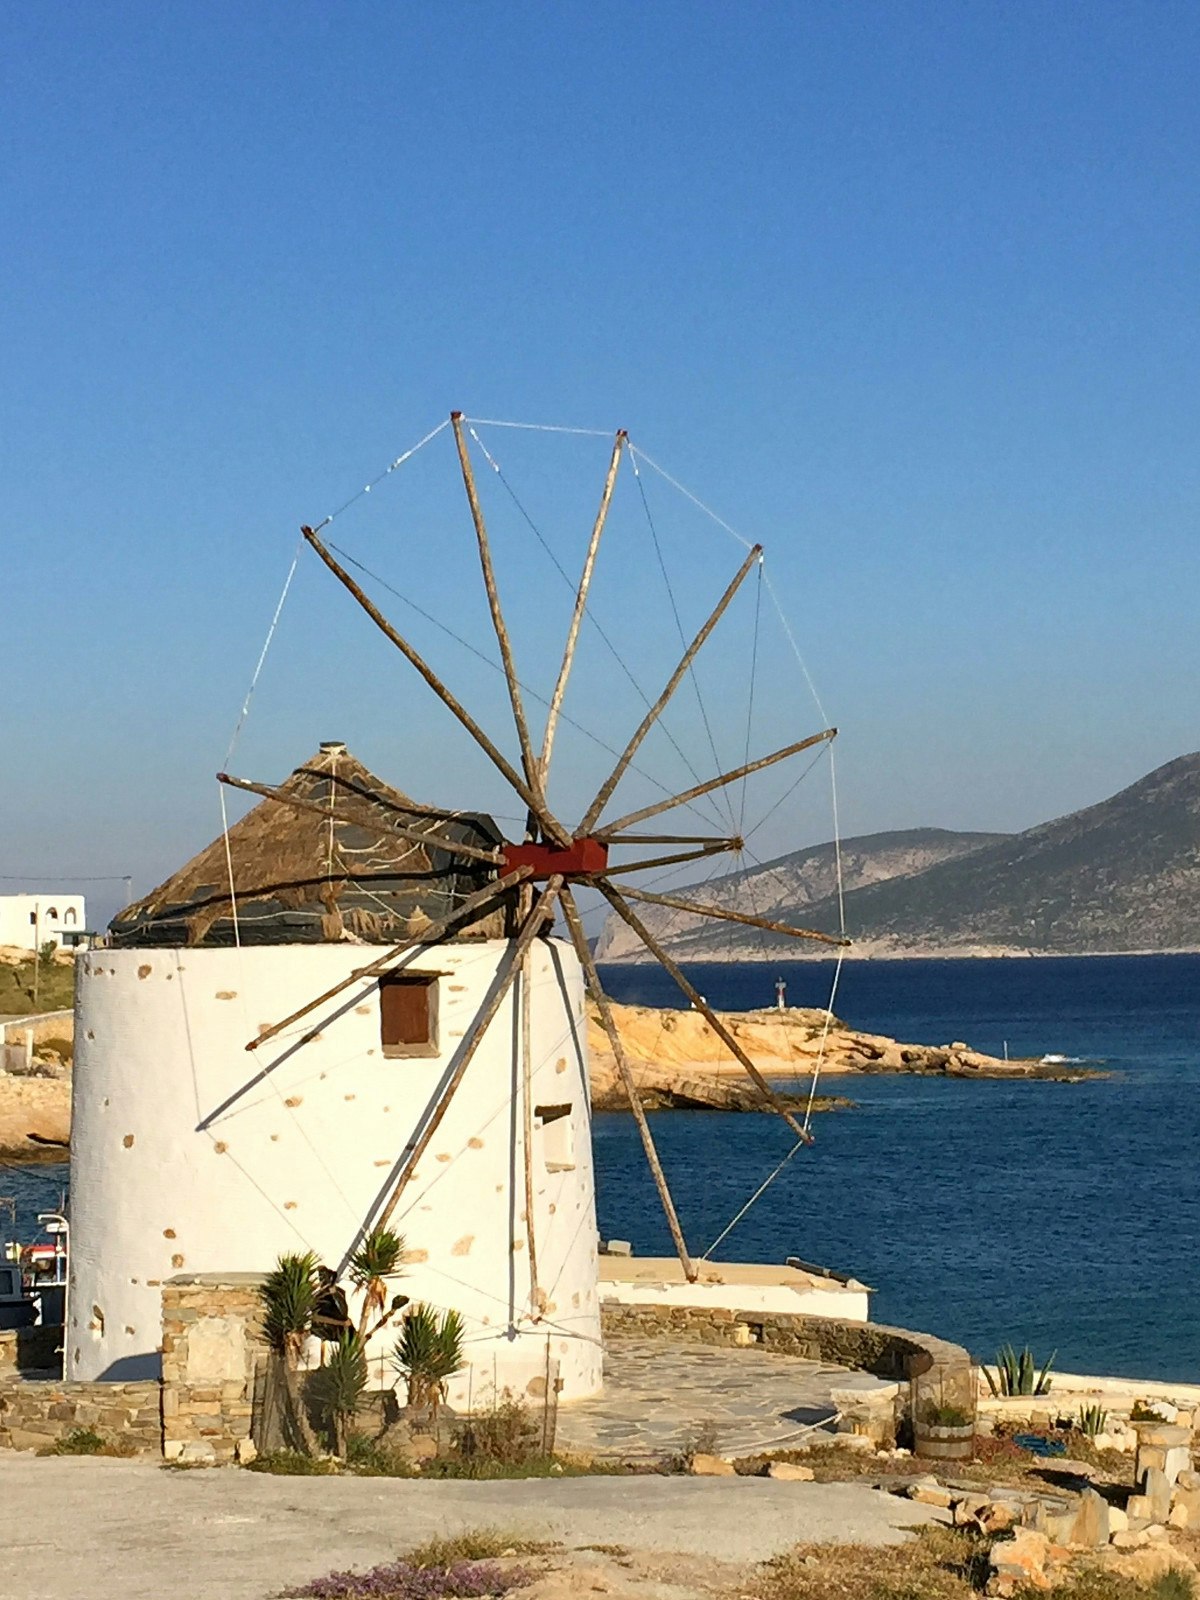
(1062, 1215)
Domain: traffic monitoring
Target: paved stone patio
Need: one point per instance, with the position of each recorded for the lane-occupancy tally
(658, 1396)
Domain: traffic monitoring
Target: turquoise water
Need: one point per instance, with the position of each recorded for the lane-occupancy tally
(1067, 1215)
(1063, 1214)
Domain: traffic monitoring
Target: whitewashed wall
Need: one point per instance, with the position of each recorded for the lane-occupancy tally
(28, 921)
(189, 1154)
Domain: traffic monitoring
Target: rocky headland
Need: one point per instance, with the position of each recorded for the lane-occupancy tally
(680, 1063)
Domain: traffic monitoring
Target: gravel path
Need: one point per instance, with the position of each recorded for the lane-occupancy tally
(78, 1528)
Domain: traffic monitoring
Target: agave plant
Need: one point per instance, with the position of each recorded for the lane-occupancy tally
(377, 1258)
(428, 1353)
(338, 1386)
(289, 1297)
(1092, 1420)
(1017, 1374)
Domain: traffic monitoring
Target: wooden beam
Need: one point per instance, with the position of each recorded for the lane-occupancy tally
(655, 711)
(608, 1022)
(732, 916)
(526, 987)
(435, 930)
(359, 820)
(426, 671)
(620, 906)
(533, 774)
(581, 594)
(417, 1147)
(715, 848)
(606, 833)
(673, 838)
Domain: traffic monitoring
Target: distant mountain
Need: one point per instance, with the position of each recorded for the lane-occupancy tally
(779, 889)
(1123, 875)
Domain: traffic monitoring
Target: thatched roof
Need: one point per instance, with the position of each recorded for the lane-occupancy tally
(302, 878)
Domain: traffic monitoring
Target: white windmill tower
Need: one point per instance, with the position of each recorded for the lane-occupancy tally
(250, 1080)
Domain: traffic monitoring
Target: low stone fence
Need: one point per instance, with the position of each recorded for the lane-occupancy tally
(896, 1353)
(30, 1350)
(34, 1413)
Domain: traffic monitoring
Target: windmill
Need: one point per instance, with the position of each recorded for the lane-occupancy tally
(543, 871)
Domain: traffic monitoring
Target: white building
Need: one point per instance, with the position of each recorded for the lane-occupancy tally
(191, 1154)
(29, 921)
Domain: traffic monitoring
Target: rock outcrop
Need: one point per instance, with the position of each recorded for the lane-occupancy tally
(678, 1061)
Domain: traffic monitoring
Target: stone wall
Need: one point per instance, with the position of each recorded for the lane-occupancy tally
(896, 1353)
(30, 1350)
(211, 1344)
(35, 1413)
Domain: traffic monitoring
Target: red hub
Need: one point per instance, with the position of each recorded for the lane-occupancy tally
(578, 859)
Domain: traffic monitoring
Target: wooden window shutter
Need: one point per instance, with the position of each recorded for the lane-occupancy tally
(408, 1014)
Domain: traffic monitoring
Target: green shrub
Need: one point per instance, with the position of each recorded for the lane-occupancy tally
(506, 1434)
(292, 1464)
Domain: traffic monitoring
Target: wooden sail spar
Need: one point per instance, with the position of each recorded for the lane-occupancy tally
(555, 856)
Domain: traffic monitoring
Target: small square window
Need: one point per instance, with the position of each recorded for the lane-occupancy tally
(557, 1137)
(408, 1019)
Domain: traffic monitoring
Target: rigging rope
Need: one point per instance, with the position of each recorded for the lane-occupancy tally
(726, 801)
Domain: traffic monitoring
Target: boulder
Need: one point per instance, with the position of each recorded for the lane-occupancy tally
(790, 1472)
(1019, 1562)
(706, 1466)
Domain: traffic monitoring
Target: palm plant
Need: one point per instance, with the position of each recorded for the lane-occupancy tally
(1017, 1374)
(338, 1386)
(428, 1353)
(377, 1258)
(289, 1297)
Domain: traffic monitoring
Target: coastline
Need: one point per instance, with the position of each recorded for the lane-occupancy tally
(966, 953)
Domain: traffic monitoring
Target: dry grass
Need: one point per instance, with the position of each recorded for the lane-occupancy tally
(939, 1564)
(476, 1544)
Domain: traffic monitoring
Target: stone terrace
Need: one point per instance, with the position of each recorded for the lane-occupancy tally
(659, 1395)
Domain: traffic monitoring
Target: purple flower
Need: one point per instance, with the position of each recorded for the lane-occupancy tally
(400, 1580)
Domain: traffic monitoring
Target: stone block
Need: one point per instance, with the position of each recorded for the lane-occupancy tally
(197, 1450)
(706, 1466)
(1178, 1516)
(790, 1472)
(23, 1439)
(1130, 1539)
(931, 1494)
(1156, 1492)
(1118, 1521)
(245, 1451)
(1090, 1524)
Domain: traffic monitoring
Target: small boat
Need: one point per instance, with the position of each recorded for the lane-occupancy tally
(1054, 1061)
(33, 1277)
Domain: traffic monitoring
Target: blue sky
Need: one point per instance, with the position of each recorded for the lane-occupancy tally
(906, 291)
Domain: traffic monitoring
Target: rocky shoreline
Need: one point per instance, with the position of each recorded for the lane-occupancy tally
(679, 1062)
